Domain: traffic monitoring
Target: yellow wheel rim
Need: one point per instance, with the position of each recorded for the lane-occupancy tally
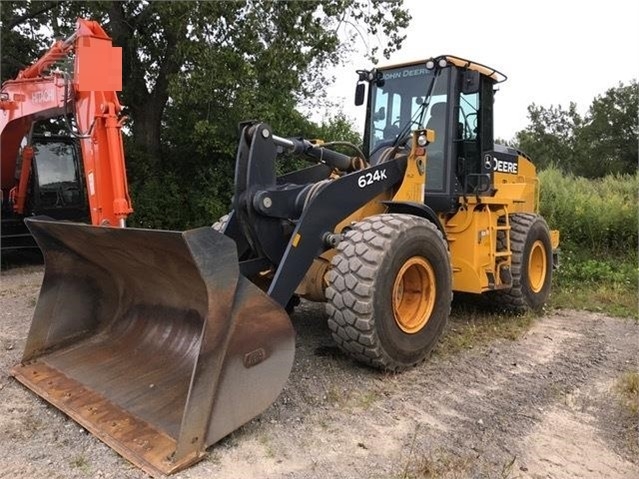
(537, 266)
(414, 295)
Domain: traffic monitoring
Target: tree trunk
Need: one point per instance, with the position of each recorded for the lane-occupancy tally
(146, 107)
(147, 126)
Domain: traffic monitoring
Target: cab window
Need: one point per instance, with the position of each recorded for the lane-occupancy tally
(396, 103)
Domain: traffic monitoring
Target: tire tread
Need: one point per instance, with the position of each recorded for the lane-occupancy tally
(514, 299)
(351, 287)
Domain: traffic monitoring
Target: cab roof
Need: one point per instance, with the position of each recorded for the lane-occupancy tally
(493, 73)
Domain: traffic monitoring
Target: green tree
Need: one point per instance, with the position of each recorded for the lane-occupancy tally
(603, 141)
(551, 138)
(21, 37)
(278, 50)
(611, 132)
(193, 70)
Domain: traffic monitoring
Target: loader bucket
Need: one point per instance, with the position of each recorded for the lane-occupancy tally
(152, 340)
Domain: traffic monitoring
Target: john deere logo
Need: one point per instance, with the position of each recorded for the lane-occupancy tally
(501, 165)
(406, 73)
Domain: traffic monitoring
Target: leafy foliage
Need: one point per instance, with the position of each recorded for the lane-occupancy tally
(598, 223)
(21, 36)
(603, 141)
(612, 132)
(551, 136)
(601, 215)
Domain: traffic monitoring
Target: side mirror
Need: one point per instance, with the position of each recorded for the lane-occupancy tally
(470, 82)
(359, 94)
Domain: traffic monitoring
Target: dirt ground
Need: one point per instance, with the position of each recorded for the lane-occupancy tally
(544, 406)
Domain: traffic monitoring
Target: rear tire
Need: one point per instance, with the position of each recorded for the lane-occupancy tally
(389, 291)
(531, 265)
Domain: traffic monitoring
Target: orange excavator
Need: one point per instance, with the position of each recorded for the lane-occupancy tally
(44, 175)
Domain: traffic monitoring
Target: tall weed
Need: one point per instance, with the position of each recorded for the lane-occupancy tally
(599, 216)
(597, 220)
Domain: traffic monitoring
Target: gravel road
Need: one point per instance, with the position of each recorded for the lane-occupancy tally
(543, 406)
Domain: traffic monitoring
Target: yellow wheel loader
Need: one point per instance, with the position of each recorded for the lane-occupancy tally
(161, 342)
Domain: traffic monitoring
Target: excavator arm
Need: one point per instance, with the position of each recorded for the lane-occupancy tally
(89, 92)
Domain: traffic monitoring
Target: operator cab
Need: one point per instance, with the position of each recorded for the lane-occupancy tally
(453, 97)
(58, 190)
(55, 189)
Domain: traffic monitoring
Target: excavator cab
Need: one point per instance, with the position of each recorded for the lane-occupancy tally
(58, 187)
(55, 189)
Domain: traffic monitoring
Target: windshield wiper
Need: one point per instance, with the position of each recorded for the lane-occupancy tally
(404, 132)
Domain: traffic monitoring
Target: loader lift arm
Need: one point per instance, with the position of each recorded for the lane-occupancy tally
(89, 92)
(263, 206)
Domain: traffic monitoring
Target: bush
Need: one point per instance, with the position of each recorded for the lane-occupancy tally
(597, 220)
(599, 216)
(578, 267)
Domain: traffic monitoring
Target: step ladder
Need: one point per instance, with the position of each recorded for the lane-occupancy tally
(503, 257)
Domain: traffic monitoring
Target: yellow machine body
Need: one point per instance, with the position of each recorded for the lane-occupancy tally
(160, 343)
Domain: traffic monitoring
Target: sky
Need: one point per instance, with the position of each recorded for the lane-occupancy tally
(553, 52)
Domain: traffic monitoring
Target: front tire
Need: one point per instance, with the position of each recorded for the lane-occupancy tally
(389, 291)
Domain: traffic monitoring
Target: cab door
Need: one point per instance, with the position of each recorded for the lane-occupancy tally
(57, 186)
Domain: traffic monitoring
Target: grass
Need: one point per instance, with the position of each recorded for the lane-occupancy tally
(31, 424)
(472, 325)
(598, 220)
(81, 463)
(353, 399)
(602, 285)
(269, 449)
(335, 396)
(627, 391)
(444, 465)
(448, 464)
(602, 282)
(612, 299)
(627, 388)
(437, 465)
(367, 398)
(599, 215)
